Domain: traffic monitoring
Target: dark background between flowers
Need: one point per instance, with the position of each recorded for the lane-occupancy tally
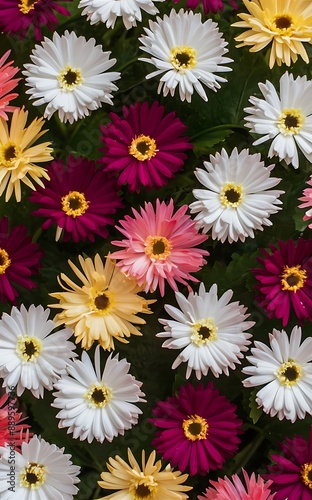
(211, 126)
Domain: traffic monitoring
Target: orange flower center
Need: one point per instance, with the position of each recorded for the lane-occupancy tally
(293, 278)
(26, 6)
(5, 261)
(195, 428)
(143, 147)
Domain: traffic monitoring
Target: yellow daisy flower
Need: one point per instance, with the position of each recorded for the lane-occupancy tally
(104, 307)
(285, 23)
(148, 482)
(18, 155)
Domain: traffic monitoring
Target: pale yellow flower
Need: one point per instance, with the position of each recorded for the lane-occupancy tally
(285, 23)
(104, 307)
(18, 156)
(148, 482)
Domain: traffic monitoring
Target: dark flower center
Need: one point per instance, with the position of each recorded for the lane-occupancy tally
(195, 428)
(293, 278)
(232, 196)
(33, 476)
(283, 22)
(142, 491)
(205, 332)
(158, 247)
(183, 58)
(291, 121)
(143, 147)
(10, 153)
(98, 396)
(291, 373)
(71, 77)
(74, 204)
(30, 349)
(101, 301)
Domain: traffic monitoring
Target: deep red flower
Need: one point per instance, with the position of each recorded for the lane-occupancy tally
(209, 5)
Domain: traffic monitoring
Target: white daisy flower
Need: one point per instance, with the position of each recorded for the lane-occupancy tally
(42, 471)
(107, 11)
(210, 331)
(69, 74)
(237, 199)
(95, 406)
(285, 118)
(31, 357)
(187, 51)
(285, 370)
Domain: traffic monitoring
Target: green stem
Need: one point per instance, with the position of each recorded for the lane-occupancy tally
(245, 455)
(225, 126)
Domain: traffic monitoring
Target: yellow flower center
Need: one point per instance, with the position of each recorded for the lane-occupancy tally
(143, 487)
(231, 195)
(70, 78)
(289, 373)
(33, 476)
(195, 428)
(203, 332)
(98, 396)
(9, 153)
(5, 261)
(306, 474)
(183, 57)
(26, 6)
(157, 247)
(291, 121)
(74, 204)
(283, 24)
(293, 278)
(28, 348)
(103, 302)
(143, 147)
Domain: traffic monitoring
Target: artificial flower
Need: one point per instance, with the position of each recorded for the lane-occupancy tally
(189, 57)
(19, 259)
(31, 357)
(19, 155)
(104, 307)
(79, 199)
(159, 246)
(237, 199)
(285, 118)
(209, 5)
(291, 474)
(285, 280)
(255, 488)
(147, 481)
(210, 331)
(146, 147)
(107, 11)
(285, 370)
(196, 429)
(41, 471)
(16, 16)
(7, 83)
(69, 74)
(307, 202)
(95, 406)
(287, 24)
(13, 430)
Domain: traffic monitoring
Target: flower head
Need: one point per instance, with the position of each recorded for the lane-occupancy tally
(286, 370)
(19, 259)
(285, 118)
(209, 5)
(107, 11)
(17, 16)
(159, 246)
(13, 430)
(79, 199)
(237, 198)
(95, 406)
(31, 356)
(145, 147)
(104, 307)
(19, 155)
(285, 280)
(198, 429)
(189, 57)
(7, 83)
(284, 24)
(307, 202)
(147, 481)
(210, 331)
(69, 74)
(41, 470)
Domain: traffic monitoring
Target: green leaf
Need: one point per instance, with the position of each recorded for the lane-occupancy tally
(255, 412)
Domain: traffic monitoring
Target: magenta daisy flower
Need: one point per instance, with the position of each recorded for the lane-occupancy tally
(13, 431)
(16, 16)
(145, 147)
(7, 83)
(292, 473)
(307, 202)
(79, 199)
(19, 259)
(286, 280)
(199, 429)
(159, 246)
(209, 5)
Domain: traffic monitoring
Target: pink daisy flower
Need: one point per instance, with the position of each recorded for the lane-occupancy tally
(79, 199)
(226, 489)
(159, 246)
(19, 259)
(7, 83)
(145, 147)
(16, 16)
(285, 280)
(307, 202)
(292, 473)
(198, 429)
(12, 430)
(209, 5)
